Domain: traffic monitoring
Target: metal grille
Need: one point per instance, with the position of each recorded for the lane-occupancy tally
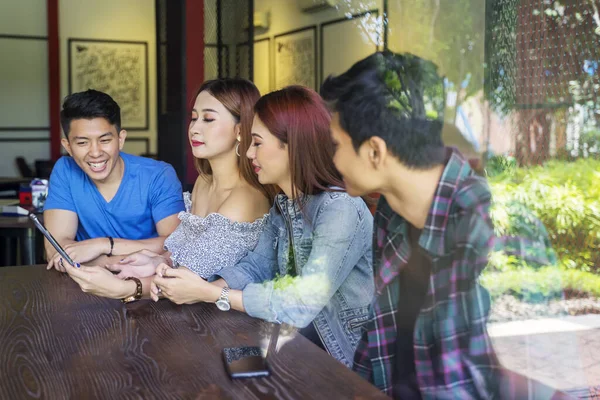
(210, 21)
(542, 78)
(227, 32)
(501, 54)
(543, 72)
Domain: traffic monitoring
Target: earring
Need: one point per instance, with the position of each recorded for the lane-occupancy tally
(237, 146)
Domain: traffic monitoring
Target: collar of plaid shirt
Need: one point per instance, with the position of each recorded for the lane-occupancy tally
(453, 354)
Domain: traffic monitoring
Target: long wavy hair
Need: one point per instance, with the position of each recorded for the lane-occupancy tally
(238, 96)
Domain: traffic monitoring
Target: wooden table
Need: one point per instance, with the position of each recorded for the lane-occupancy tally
(58, 342)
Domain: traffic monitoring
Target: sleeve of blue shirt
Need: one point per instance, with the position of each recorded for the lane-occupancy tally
(166, 195)
(59, 189)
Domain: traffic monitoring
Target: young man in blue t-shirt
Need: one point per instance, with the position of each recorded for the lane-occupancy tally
(102, 202)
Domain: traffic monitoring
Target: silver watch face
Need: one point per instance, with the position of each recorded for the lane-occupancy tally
(223, 305)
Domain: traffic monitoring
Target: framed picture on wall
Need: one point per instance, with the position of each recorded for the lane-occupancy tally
(295, 58)
(362, 35)
(118, 68)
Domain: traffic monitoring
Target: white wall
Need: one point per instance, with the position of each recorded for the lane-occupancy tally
(23, 82)
(287, 16)
(128, 20)
(24, 65)
(422, 27)
(23, 17)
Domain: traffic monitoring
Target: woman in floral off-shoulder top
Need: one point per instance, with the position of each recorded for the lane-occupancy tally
(228, 208)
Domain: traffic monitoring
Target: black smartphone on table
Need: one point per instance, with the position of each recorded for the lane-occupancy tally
(245, 362)
(248, 361)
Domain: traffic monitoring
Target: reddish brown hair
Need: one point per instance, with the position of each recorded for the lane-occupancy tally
(298, 117)
(238, 96)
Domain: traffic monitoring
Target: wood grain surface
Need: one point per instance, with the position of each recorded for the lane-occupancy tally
(57, 342)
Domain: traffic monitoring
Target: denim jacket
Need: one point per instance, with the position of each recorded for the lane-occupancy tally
(331, 259)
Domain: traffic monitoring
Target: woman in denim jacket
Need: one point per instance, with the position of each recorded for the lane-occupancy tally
(312, 265)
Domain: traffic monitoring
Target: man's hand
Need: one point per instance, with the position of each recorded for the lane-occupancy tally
(140, 264)
(81, 252)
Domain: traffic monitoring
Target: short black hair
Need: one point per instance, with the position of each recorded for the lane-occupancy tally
(398, 97)
(88, 105)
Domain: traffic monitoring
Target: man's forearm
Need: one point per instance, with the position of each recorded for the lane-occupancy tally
(102, 248)
(105, 260)
(51, 251)
(125, 246)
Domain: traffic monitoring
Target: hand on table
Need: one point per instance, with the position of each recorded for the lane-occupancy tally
(182, 286)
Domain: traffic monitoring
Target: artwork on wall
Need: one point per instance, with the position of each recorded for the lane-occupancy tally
(119, 68)
(362, 35)
(295, 58)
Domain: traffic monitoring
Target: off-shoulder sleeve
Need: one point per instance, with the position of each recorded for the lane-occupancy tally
(205, 245)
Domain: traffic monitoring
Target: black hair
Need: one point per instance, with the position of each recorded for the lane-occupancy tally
(88, 105)
(398, 97)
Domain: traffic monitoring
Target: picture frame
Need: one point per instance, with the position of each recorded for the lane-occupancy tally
(118, 68)
(295, 58)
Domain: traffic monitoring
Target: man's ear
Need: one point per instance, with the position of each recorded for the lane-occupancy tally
(66, 145)
(122, 137)
(376, 151)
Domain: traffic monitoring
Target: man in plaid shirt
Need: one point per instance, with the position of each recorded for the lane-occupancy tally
(426, 336)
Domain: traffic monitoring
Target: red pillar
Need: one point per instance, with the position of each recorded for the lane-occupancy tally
(53, 78)
(194, 64)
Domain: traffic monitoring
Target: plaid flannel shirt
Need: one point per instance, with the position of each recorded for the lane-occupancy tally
(454, 357)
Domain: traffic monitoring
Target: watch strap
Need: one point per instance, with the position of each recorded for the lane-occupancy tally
(138, 290)
(224, 294)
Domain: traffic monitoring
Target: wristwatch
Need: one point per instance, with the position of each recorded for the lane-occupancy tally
(223, 302)
(138, 291)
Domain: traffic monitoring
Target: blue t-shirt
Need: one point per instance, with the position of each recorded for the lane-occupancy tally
(149, 192)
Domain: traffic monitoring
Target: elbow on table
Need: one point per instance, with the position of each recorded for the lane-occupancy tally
(301, 315)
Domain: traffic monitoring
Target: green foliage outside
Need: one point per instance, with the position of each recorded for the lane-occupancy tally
(539, 285)
(565, 198)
